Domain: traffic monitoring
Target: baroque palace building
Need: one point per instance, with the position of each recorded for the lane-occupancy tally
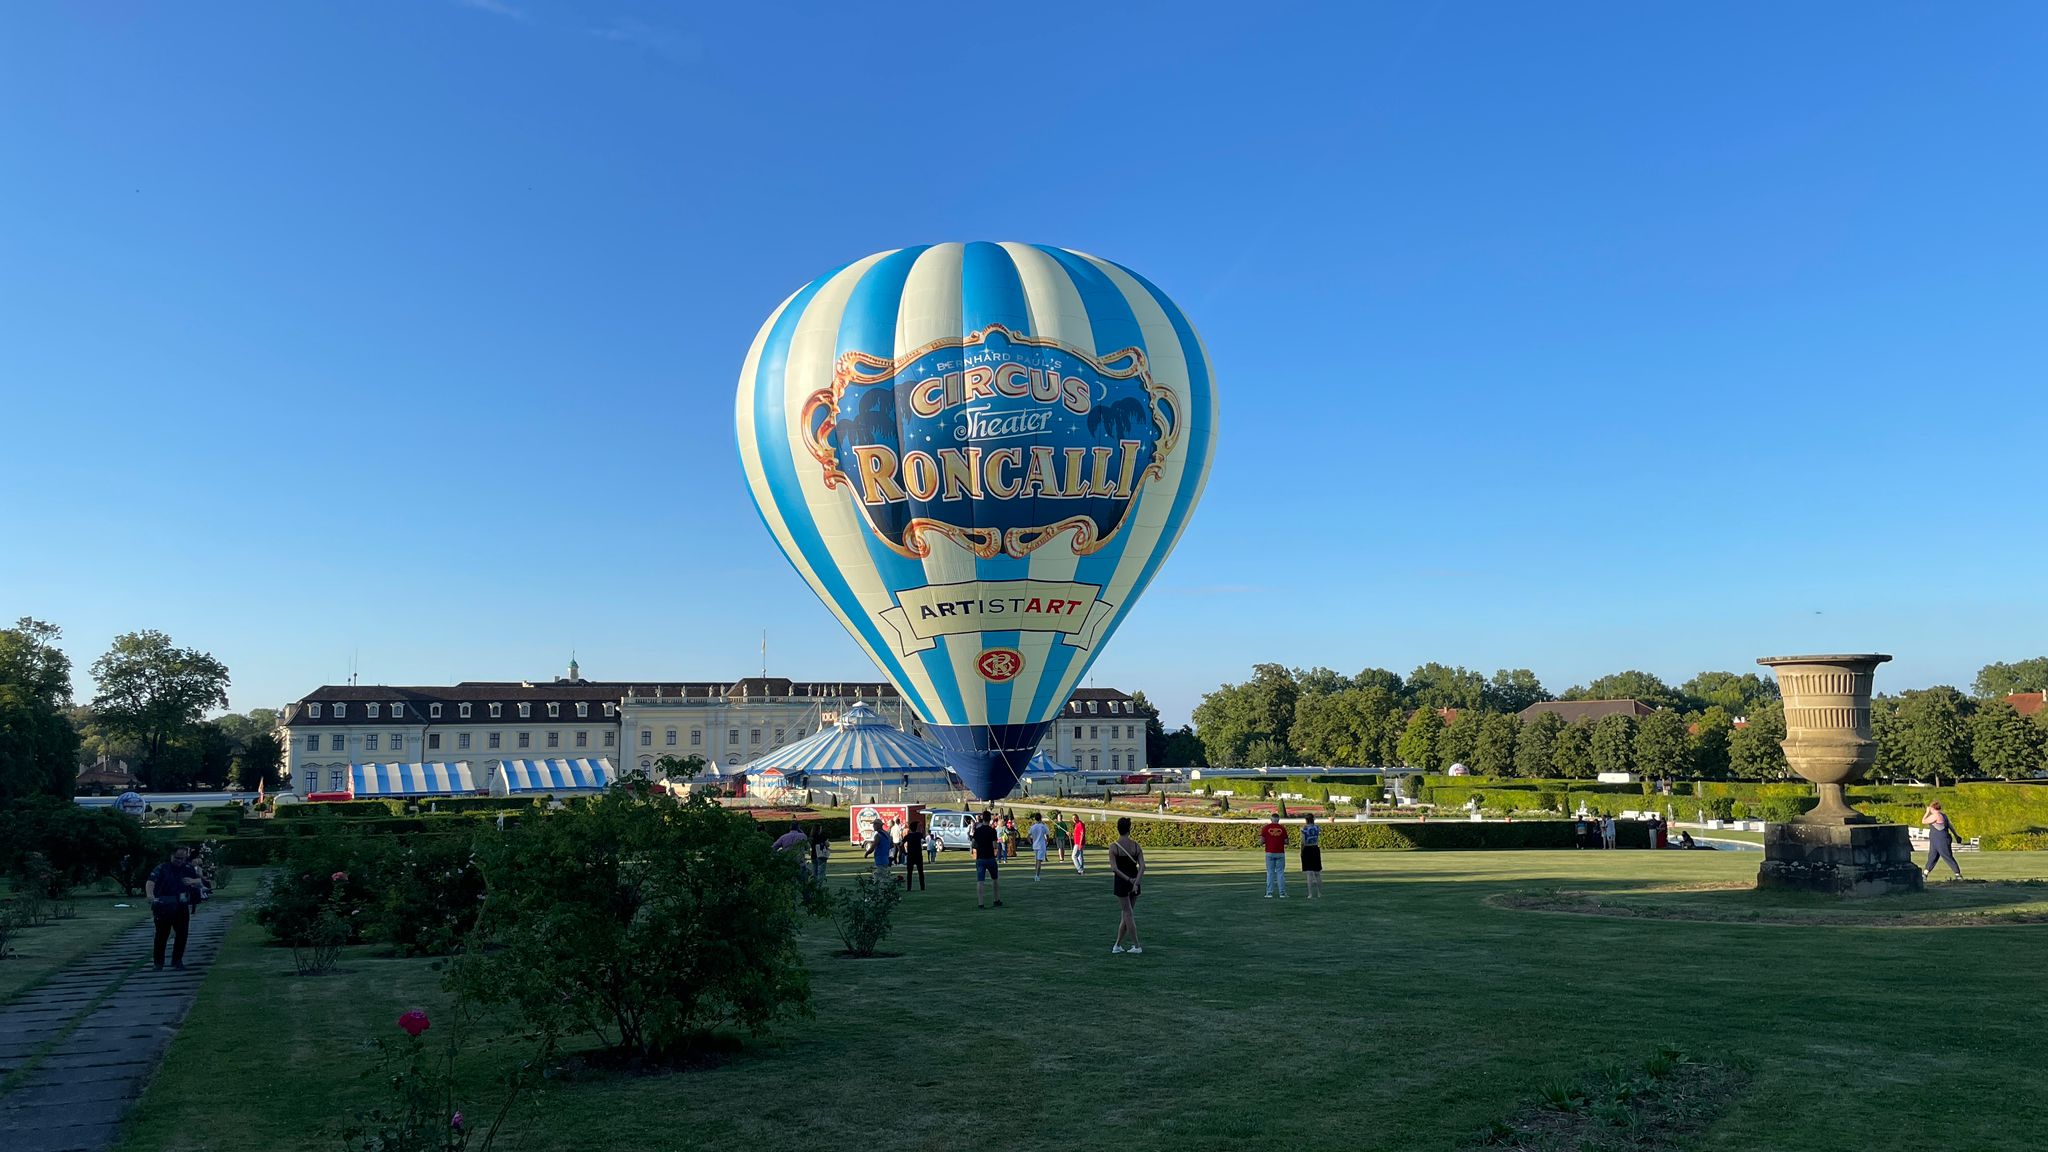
(633, 725)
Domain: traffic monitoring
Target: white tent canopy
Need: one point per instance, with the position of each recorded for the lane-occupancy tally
(860, 750)
(557, 777)
(374, 780)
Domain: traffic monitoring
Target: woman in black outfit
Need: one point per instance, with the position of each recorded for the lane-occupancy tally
(1126, 868)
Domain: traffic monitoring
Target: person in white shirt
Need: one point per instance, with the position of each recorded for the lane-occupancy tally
(1039, 834)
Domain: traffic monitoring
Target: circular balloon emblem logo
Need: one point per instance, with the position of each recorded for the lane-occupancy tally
(1000, 664)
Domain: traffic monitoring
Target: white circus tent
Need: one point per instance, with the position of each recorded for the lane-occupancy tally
(860, 752)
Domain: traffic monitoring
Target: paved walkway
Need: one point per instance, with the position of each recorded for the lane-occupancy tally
(78, 1049)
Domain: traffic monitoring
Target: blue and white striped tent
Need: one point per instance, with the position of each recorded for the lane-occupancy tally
(862, 750)
(440, 779)
(560, 777)
(1043, 765)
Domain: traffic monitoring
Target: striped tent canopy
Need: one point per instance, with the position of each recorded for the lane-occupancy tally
(515, 777)
(862, 748)
(1043, 765)
(369, 780)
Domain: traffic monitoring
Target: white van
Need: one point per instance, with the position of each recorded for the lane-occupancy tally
(952, 828)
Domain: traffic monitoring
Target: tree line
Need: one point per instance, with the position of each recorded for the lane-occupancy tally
(1716, 725)
(149, 710)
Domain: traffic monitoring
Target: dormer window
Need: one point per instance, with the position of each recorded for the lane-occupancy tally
(582, 709)
(525, 710)
(554, 709)
(313, 711)
(398, 711)
(462, 710)
(497, 710)
(1091, 707)
(340, 710)
(434, 711)
(610, 709)
(372, 710)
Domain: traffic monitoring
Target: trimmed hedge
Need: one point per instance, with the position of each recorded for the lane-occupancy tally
(332, 809)
(1431, 835)
(1316, 788)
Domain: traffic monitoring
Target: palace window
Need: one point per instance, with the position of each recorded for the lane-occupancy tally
(554, 739)
(340, 710)
(1091, 732)
(336, 779)
(463, 710)
(583, 739)
(671, 737)
(1094, 761)
(497, 710)
(753, 735)
(398, 711)
(313, 710)
(372, 710)
(1077, 731)
(462, 741)
(647, 737)
(434, 741)
(397, 741)
(496, 740)
(732, 736)
(778, 735)
(1115, 762)
(313, 742)
(334, 745)
(610, 709)
(696, 737)
(525, 711)
(434, 712)
(526, 739)
(582, 709)
(554, 709)
(610, 737)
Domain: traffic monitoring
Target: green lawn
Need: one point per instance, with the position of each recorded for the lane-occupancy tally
(35, 953)
(1402, 1012)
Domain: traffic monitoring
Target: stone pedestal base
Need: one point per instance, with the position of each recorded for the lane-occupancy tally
(1839, 859)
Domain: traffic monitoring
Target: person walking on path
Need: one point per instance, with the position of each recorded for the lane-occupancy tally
(1039, 834)
(1607, 831)
(1126, 871)
(985, 860)
(913, 854)
(1312, 856)
(1273, 835)
(171, 889)
(1080, 845)
(1941, 839)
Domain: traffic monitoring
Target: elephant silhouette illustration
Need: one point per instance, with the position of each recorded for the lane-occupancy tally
(1119, 419)
(875, 420)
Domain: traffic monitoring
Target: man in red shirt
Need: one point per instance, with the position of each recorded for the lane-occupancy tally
(1080, 843)
(1274, 836)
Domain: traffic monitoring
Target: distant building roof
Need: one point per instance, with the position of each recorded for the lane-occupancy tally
(2027, 703)
(1573, 711)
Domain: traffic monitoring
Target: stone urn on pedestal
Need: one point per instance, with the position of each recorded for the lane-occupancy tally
(1833, 848)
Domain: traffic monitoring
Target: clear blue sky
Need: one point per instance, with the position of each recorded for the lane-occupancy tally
(1547, 335)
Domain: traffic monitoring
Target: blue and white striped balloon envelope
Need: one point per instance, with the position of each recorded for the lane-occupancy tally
(978, 455)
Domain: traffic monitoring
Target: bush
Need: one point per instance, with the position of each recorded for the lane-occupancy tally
(341, 809)
(429, 893)
(81, 845)
(1432, 835)
(863, 912)
(324, 881)
(639, 919)
(2015, 842)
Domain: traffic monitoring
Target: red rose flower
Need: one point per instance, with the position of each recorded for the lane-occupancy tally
(339, 878)
(414, 1022)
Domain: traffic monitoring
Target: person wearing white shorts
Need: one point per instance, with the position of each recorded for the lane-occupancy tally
(1039, 834)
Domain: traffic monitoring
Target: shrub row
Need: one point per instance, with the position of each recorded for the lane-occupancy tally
(1431, 835)
(1316, 788)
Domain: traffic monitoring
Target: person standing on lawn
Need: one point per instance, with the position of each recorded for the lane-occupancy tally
(1080, 844)
(1039, 834)
(882, 846)
(985, 860)
(1941, 839)
(1312, 856)
(1273, 835)
(913, 853)
(1126, 870)
(172, 889)
(1607, 831)
(821, 851)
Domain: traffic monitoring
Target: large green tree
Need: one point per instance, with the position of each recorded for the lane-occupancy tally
(1234, 715)
(1709, 738)
(2005, 743)
(1513, 689)
(1536, 745)
(1756, 750)
(1630, 685)
(1353, 728)
(1155, 732)
(1438, 686)
(1996, 681)
(1389, 682)
(1737, 693)
(1461, 738)
(1420, 740)
(1614, 739)
(1661, 749)
(1495, 755)
(153, 693)
(1572, 754)
(1934, 733)
(1184, 749)
(38, 745)
(261, 762)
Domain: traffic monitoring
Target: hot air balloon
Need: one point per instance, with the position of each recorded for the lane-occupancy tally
(978, 455)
